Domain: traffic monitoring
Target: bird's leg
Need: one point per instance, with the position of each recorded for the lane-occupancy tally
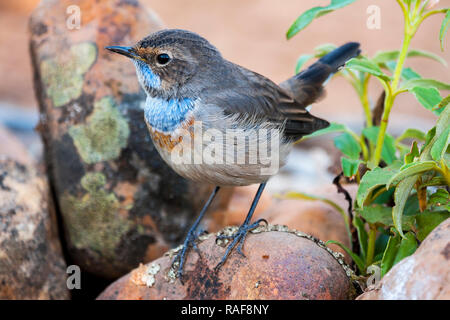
(191, 237)
(239, 237)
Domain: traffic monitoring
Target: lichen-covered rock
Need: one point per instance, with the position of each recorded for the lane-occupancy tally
(279, 264)
(31, 262)
(120, 203)
(425, 275)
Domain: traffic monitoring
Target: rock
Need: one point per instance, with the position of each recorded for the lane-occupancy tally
(119, 202)
(13, 148)
(425, 275)
(314, 217)
(279, 264)
(31, 262)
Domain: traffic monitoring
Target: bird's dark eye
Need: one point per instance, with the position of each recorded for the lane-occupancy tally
(163, 58)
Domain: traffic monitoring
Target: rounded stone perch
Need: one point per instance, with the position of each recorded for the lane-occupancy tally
(279, 264)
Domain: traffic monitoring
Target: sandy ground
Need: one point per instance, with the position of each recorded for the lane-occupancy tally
(252, 33)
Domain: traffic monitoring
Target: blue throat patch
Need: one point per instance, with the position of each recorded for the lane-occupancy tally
(166, 115)
(146, 75)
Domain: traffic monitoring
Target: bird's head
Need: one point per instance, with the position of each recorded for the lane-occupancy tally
(168, 59)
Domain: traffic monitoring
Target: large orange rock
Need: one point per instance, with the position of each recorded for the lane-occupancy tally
(425, 275)
(31, 262)
(120, 203)
(279, 264)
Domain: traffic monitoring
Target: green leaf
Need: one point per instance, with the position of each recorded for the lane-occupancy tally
(443, 103)
(411, 206)
(426, 54)
(350, 166)
(365, 65)
(444, 27)
(332, 128)
(362, 235)
(358, 261)
(407, 73)
(409, 157)
(396, 250)
(376, 213)
(381, 244)
(308, 16)
(412, 134)
(401, 194)
(389, 254)
(440, 199)
(373, 179)
(384, 197)
(428, 97)
(407, 247)
(388, 150)
(427, 221)
(382, 57)
(442, 125)
(440, 146)
(301, 61)
(347, 144)
(410, 170)
(424, 83)
(429, 138)
(436, 181)
(443, 122)
(380, 214)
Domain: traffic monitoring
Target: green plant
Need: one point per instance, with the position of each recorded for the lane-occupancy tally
(402, 189)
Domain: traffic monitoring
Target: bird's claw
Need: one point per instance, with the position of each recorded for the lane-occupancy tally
(238, 239)
(189, 242)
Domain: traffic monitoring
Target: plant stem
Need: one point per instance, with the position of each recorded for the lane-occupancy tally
(362, 144)
(391, 90)
(371, 245)
(364, 97)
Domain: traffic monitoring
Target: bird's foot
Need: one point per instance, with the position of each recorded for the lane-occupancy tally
(189, 242)
(238, 239)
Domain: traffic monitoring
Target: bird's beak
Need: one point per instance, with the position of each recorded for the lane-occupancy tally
(126, 51)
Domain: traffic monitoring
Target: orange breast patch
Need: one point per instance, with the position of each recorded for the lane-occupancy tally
(166, 140)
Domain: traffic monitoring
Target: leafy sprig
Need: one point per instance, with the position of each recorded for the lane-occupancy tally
(399, 203)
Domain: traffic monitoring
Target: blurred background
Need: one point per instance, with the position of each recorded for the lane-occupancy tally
(252, 34)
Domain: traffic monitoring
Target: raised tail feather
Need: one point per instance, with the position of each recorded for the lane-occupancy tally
(307, 86)
(338, 57)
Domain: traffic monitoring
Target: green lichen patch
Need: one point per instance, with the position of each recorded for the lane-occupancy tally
(93, 220)
(103, 135)
(63, 75)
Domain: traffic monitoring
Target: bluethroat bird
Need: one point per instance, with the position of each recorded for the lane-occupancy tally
(194, 94)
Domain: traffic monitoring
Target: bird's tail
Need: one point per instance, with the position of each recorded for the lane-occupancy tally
(307, 86)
